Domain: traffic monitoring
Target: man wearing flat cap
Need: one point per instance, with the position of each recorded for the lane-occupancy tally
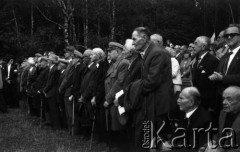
(40, 83)
(50, 91)
(68, 82)
(114, 83)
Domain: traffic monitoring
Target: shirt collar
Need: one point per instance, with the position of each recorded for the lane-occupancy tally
(188, 114)
(234, 51)
(51, 67)
(202, 56)
(144, 51)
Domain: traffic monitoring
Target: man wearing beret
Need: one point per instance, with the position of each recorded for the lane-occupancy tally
(156, 95)
(114, 83)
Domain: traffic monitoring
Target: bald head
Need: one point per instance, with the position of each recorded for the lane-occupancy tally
(87, 52)
(231, 99)
(204, 40)
(157, 39)
(189, 99)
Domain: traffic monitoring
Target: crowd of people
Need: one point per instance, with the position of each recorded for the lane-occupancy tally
(113, 93)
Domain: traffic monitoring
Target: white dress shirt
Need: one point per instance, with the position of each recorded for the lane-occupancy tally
(188, 114)
(9, 69)
(234, 52)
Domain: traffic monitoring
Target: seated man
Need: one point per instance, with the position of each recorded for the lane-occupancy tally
(196, 120)
(229, 123)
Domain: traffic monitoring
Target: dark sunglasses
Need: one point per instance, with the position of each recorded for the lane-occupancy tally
(231, 35)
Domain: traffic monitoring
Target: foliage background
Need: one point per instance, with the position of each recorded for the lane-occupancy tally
(181, 21)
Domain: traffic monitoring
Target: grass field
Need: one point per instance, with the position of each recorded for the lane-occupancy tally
(21, 133)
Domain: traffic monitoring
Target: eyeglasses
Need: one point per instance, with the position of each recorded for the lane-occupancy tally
(231, 35)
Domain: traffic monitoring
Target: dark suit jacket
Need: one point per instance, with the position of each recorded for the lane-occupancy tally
(201, 118)
(235, 125)
(41, 80)
(232, 76)
(51, 85)
(13, 75)
(157, 86)
(200, 75)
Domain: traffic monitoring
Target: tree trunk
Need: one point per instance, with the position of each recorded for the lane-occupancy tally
(113, 21)
(65, 31)
(16, 24)
(32, 20)
(86, 25)
(231, 11)
(74, 37)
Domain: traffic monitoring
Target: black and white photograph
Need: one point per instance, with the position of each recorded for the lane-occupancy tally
(119, 75)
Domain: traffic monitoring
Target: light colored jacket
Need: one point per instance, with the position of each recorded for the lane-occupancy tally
(176, 75)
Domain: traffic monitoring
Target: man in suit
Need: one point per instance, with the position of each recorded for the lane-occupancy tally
(60, 96)
(50, 91)
(67, 85)
(229, 118)
(3, 106)
(10, 83)
(195, 115)
(228, 71)
(203, 67)
(156, 95)
(38, 86)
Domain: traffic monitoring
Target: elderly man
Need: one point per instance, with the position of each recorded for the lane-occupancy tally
(114, 83)
(229, 122)
(203, 67)
(228, 71)
(195, 116)
(220, 45)
(67, 85)
(158, 40)
(50, 91)
(155, 86)
(189, 102)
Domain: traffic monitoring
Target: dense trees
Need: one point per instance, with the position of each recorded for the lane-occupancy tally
(29, 26)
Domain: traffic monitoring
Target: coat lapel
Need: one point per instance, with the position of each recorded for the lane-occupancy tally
(148, 50)
(234, 61)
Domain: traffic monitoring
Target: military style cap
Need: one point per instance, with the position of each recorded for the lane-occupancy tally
(113, 45)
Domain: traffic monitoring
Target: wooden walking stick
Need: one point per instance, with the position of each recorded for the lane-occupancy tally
(41, 110)
(73, 116)
(94, 117)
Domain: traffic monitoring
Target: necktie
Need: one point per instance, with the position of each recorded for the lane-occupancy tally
(186, 122)
(1, 81)
(225, 65)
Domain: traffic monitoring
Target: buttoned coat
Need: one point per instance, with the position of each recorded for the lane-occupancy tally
(51, 85)
(114, 83)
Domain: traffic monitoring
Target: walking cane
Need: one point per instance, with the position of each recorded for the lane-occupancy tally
(94, 117)
(73, 116)
(106, 114)
(41, 110)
